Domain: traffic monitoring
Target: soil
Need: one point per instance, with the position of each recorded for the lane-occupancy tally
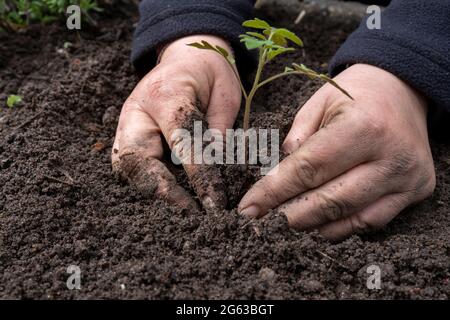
(60, 204)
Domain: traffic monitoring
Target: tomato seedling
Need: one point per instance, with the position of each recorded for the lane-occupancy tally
(271, 42)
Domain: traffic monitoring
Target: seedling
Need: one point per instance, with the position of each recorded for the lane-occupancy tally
(13, 100)
(271, 42)
(67, 45)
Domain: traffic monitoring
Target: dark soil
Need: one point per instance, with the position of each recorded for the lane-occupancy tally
(60, 204)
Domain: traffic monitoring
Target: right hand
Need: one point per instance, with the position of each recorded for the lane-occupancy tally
(160, 104)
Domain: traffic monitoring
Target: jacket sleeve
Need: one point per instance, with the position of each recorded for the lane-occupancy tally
(162, 21)
(413, 43)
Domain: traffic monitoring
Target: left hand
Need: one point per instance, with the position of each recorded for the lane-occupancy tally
(352, 165)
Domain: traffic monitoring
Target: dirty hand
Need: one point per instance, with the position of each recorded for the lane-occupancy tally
(352, 165)
(187, 84)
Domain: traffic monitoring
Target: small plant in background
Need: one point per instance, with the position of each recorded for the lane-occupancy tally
(16, 14)
(271, 42)
(13, 100)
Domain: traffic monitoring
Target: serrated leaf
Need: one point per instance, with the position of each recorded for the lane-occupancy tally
(196, 45)
(334, 84)
(285, 33)
(222, 51)
(313, 74)
(279, 40)
(204, 45)
(256, 24)
(225, 54)
(274, 53)
(254, 43)
(256, 35)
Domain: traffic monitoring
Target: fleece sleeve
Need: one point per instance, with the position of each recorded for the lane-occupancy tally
(162, 21)
(412, 43)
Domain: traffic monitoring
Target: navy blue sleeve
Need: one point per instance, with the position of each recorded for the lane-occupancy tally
(162, 21)
(413, 43)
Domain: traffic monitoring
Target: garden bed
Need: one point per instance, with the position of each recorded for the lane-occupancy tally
(60, 204)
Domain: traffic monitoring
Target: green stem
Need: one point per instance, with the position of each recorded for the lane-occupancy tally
(275, 77)
(330, 81)
(233, 67)
(249, 99)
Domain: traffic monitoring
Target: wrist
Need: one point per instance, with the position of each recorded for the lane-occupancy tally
(181, 45)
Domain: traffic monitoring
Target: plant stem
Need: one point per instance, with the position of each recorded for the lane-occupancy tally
(330, 81)
(233, 67)
(275, 77)
(249, 99)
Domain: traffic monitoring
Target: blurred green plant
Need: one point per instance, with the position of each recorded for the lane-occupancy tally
(13, 100)
(16, 14)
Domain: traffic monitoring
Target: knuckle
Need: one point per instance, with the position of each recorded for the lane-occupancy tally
(401, 163)
(416, 172)
(332, 209)
(360, 225)
(426, 184)
(305, 174)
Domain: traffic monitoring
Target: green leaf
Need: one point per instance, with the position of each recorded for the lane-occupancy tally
(13, 100)
(288, 69)
(256, 35)
(222, 51)
(204, 45)
(279, 40)
(256, 24)
(254, 43)
(285, 33)
(276, 52)
(334, 84)
(225, 54)
(313, 74)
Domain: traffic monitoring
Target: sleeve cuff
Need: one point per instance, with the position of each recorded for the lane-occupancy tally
(424, 74)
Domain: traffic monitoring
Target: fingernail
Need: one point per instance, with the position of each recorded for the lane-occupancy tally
(251, 212)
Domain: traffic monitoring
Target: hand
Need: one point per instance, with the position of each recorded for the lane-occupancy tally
(352, 165)
(186, 83)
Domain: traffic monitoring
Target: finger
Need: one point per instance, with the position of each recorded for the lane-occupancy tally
(339, 198)
(136, 153)
(224, 103)
(374, 217)
(305, 124)
(339, 146)
(180, 113)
